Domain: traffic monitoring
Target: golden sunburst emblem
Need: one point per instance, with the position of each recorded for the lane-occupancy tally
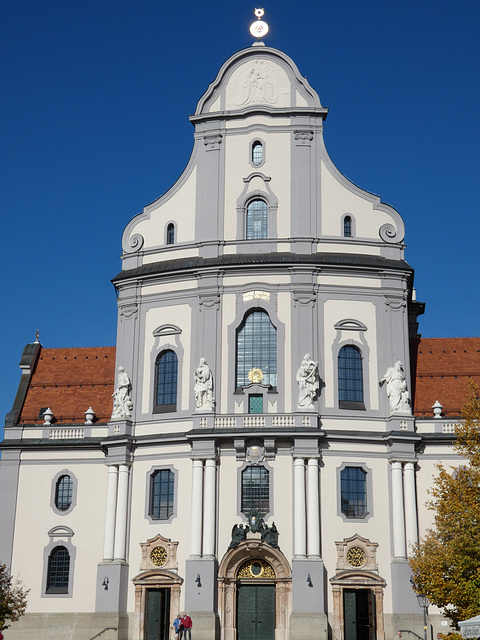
(255, 376)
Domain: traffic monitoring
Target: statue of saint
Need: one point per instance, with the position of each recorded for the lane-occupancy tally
(397, 392)
(308, 383)
(122, 403)
(203, 386)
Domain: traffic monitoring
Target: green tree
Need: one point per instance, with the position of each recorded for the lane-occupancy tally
(446, 562)
(13, 598)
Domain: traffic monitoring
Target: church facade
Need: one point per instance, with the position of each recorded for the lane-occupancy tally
(250, 452)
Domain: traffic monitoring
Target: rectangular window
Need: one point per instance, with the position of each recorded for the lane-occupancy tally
(162, 485)
(354, 492)
(255, 490)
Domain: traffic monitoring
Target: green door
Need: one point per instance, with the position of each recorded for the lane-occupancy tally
(256, 612)
(157, 614)
(358, 614)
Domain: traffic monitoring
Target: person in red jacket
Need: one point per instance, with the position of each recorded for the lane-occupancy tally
(187, 627)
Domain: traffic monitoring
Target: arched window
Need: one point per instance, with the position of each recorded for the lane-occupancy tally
(257, 220)
(347, 227)
(63, 493)
(350, 378)
(171, 233)
(255, 490)
(353, 489)
(166, 381)
(161, 494)
(257, 153)
(257, 351)
(58, 572)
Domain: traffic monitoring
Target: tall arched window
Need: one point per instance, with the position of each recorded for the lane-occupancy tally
(257, 220)
(63, 493)
(353, 492)
(166, 381)
(257, 351)
(347, 227)
(58, 572)
(350, 378)
(171, 233)
(257, 153)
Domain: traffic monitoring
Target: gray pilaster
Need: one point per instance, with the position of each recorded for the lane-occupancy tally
(9, 471)
(114, 576)
(201, 585)
(403, 597)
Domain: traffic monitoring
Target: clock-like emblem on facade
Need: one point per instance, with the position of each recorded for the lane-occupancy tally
(356, 556)
(158, 556)
(255, 376)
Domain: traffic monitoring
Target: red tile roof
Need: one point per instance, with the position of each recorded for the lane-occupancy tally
(442, 368)
(69, 381)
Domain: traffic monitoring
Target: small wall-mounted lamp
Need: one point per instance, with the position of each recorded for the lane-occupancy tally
(198, 580)
(105, 583)
(309, 581)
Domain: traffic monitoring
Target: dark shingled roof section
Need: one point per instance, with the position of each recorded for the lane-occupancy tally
(246, 259)
(69, 381)
(442, 368)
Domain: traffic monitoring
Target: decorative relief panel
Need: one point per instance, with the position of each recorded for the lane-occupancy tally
(258, 82)
(159, 553)
(356, 553)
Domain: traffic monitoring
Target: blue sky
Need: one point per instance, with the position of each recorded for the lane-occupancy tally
(94, 125)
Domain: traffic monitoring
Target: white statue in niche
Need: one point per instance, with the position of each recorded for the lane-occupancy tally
(203, 386)
(122, 403)
(397, 392)
(308, 383)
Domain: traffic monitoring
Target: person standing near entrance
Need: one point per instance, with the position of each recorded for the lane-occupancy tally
(177, 623)
(187, 627)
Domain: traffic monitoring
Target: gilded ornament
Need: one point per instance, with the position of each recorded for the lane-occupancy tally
(158, 556)
(256, 569)
(255, 376)
(356, 556)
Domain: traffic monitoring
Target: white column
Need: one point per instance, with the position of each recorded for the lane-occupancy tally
(197, 509)
(398, 515)
(110, 510)
(209, 508)
(299, 524)
(411, 525)
(122, 512)
(313, 509)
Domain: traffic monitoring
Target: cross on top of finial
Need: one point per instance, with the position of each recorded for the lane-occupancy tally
(259, 29)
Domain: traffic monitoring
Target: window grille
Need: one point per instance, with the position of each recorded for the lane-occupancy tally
(162, 494)
(255, 490)
(63, 493)
(257, 349)
(171, 234)
(58, 570)
(257, 220)
(353, 492)
(257, 153)
(350, 375)
(347, 227)
(167, 373)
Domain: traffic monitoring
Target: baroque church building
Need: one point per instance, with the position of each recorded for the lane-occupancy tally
(257, 448)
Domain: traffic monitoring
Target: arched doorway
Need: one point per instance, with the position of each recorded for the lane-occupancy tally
(254, 592)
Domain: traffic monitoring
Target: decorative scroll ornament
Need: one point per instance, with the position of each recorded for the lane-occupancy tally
(389, 234)
(303, 137)
(212, 142)
(259, 29)
(135, 243)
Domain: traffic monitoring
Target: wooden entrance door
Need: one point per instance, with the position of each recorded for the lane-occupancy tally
(359, 614)
(256, 612)
(157, 614)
